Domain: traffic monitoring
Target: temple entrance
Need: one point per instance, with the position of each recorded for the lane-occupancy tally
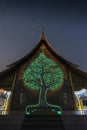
(81, 100)
(4, 101)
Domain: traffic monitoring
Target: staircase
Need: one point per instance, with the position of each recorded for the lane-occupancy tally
(42, 121)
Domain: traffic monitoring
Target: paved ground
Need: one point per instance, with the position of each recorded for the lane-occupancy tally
(70, 120)
(75, 122)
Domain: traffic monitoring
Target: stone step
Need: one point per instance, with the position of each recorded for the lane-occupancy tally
(42, 121)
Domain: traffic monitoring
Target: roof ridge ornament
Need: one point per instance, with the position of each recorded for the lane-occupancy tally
(43, 34)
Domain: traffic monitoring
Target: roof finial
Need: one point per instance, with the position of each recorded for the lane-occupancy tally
(43, 35)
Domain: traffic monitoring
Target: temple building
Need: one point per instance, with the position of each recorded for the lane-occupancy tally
(42, 79)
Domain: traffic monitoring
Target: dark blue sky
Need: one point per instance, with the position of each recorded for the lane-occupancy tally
(65, 24)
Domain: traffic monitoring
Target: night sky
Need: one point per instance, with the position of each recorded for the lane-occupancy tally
(65, 26)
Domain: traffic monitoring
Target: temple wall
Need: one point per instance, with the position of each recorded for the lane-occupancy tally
(25, 96)
(7, 81)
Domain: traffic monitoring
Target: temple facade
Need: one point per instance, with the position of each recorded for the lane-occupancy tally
(42, 79)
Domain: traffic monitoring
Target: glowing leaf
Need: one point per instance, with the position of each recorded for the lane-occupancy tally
(43, 68)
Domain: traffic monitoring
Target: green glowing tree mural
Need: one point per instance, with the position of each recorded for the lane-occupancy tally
(43, 74)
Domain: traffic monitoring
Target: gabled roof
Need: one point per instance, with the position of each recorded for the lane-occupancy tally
(42, 40)
(48, 45)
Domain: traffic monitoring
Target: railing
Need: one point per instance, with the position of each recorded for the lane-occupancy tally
(68, 112)
(5, 112)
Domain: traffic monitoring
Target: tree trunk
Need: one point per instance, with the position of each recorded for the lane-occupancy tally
(43, 97)
(43, 90)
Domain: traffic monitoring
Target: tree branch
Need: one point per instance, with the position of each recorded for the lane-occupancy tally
(35, 81)
(32, 71)
(54, 82)
(48, 72)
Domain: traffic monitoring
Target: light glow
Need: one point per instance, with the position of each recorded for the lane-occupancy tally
(4, 101)
(43, 74)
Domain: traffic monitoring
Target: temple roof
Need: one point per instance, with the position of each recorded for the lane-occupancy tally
(42, 40)
(48, 45)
